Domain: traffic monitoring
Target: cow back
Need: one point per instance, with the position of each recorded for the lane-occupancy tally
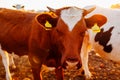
(15, 27)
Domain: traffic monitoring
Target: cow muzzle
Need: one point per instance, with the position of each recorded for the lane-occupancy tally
(72, 63)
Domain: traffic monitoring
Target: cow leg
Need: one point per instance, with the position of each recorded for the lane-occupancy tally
(84, 59)
(5, 60)
(36, 73)
(12, 61)
(59, 73)
(84, 56)
(36, 64)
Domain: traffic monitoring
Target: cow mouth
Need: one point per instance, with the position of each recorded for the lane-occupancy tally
(72, 65)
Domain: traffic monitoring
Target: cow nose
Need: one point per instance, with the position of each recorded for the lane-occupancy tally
(71, 59)
(72, 62)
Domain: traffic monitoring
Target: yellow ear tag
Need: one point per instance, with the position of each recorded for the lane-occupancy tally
(96, 28)
(48, 25)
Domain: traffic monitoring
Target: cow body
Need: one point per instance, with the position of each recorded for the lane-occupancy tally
(12, 24)
(10, 40)
(21, 33)
(106, 42)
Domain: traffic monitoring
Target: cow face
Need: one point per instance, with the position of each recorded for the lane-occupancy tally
(67, 36)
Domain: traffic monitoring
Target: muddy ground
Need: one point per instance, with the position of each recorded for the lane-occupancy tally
(100, 69)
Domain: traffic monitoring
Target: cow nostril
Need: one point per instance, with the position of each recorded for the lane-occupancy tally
(72, 59)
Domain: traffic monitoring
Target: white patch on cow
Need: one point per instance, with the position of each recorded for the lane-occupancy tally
(71, 16)
(5, 60)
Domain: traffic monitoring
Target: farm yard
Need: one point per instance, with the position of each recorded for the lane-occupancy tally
(100, 69)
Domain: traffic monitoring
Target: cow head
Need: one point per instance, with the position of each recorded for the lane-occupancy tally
(19, 7)
(67, 36)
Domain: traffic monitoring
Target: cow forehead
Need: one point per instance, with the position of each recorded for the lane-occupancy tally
(71, 16)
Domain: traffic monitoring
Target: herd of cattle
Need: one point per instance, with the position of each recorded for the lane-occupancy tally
(59, 38)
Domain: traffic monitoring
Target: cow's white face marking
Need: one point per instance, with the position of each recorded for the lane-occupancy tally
(71, 16)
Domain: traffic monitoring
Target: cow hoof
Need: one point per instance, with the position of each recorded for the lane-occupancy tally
(88, 75)
(9, 78)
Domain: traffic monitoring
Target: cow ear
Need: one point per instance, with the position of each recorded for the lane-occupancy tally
(13, 6)
(56, 11)
(95, 19)
(22, 6)
(88, 9)
(47, 20)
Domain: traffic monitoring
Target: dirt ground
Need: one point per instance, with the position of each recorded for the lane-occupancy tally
(100, 69)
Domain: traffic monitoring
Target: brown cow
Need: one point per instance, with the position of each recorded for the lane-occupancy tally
(14, 32)
(23, 34)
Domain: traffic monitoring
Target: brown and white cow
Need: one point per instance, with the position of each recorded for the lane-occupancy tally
(106, 40)
(69, 35)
